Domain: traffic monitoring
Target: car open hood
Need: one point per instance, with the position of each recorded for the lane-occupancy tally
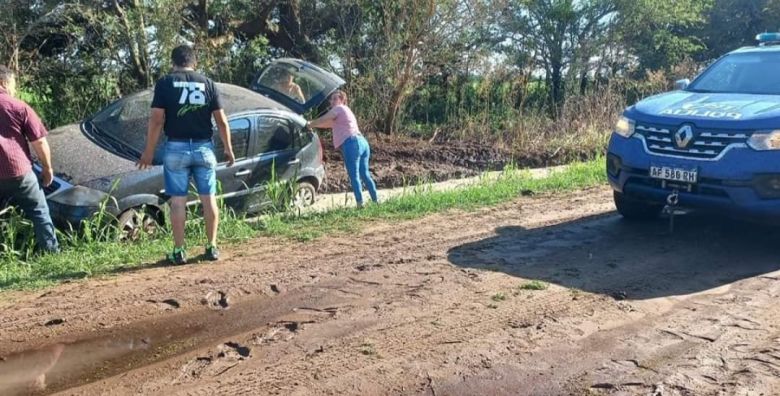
(684, 105)
(315, 82)
(77, 160)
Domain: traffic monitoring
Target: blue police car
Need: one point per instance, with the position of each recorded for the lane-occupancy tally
(713, 144)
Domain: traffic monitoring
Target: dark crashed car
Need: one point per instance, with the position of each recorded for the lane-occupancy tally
(95, 161)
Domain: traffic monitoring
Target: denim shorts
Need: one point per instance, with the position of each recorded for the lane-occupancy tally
(182, 159)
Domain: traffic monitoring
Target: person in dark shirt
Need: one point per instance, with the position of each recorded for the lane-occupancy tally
(18, 184)
(184, 102)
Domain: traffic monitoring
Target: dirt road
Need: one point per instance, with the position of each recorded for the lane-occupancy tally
(437, 306)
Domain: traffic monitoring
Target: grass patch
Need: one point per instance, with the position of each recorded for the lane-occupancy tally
(81, 259)
(498, 297)
(105, 255)
(421, 201)
(534, 285)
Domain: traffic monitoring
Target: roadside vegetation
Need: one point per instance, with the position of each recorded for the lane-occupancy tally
(541, 79)
(545, 79)
(96, 250)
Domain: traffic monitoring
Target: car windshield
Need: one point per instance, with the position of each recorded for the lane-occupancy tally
(125, 121)
(745, 73)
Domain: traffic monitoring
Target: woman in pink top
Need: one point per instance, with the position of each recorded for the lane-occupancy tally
(347, 138)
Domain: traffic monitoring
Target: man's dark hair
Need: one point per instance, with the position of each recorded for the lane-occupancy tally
(183, 56)
(6, 74)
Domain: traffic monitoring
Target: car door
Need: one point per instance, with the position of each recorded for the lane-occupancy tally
(275, 158)
(315, 82)
(237, 180)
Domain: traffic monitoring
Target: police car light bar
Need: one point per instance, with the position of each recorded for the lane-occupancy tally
(765, 38)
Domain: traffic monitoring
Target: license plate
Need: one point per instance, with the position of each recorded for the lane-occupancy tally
(674, 174)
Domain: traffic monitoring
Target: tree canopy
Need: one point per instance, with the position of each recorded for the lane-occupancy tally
(402, 59)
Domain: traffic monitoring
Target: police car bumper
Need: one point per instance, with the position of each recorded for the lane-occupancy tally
(742, 183)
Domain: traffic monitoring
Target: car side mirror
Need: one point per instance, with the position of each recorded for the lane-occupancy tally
(682, 84)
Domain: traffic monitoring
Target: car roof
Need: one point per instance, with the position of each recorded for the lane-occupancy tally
(237, 99)
(126, 120)
(759, 49)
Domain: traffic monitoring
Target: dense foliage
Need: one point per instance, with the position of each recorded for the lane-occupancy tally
(453, 68)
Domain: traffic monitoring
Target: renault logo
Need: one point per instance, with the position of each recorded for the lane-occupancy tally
(683, 136)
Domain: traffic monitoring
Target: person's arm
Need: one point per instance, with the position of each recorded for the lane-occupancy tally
(224, 133)
(326, 121)
(35, 132)
(156, 122)
(43, 152)
(299, 93)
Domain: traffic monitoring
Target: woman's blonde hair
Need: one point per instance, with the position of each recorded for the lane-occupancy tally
(340, 94)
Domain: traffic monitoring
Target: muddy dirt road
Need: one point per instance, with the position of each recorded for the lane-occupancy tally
(437, 306)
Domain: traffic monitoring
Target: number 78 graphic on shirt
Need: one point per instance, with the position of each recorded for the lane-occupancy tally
(192, 92)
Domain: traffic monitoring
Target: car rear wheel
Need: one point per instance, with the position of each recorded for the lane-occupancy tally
(632, 209)
(134, 223)
(305, 194)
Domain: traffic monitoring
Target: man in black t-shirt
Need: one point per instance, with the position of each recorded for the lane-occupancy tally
(184, 102)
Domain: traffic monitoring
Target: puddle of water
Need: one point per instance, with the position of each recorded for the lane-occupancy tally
(60, 366)
(31, 371)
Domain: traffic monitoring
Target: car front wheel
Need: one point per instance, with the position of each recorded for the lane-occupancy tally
(632, 209)
(133, 223)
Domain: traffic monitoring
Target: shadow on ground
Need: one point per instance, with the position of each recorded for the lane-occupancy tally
(605, 254)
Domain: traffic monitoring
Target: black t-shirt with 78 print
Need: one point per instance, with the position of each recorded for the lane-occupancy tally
(188, 99)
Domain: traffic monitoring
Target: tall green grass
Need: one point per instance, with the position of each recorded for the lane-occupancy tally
(103, 253)
(420, 200)
(95, 248)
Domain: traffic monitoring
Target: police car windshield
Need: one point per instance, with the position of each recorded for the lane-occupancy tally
(755, 73)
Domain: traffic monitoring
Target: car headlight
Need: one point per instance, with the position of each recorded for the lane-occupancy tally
(80, 196)
(765, 140)
(625, 127)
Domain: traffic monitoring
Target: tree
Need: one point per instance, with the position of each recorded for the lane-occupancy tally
(661, 33)
(731, 24)
(562, 36)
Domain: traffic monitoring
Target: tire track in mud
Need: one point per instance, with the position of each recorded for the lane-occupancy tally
(123, 300)
(704, 347)
(434, 306)
(462, 330)
(431, 235)
(344, 355)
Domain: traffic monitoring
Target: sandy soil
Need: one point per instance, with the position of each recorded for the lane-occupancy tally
(434, 306)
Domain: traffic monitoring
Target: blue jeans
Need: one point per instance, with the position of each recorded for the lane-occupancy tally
(27, 194)
(356, 154)
(183, 159)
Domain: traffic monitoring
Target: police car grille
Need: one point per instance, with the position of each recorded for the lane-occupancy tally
(706, 144)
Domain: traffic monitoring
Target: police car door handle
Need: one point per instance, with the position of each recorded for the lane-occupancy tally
(243, 172)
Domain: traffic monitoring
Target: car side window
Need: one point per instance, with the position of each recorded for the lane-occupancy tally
(273, 134)
(239, 137)
(301, 137)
